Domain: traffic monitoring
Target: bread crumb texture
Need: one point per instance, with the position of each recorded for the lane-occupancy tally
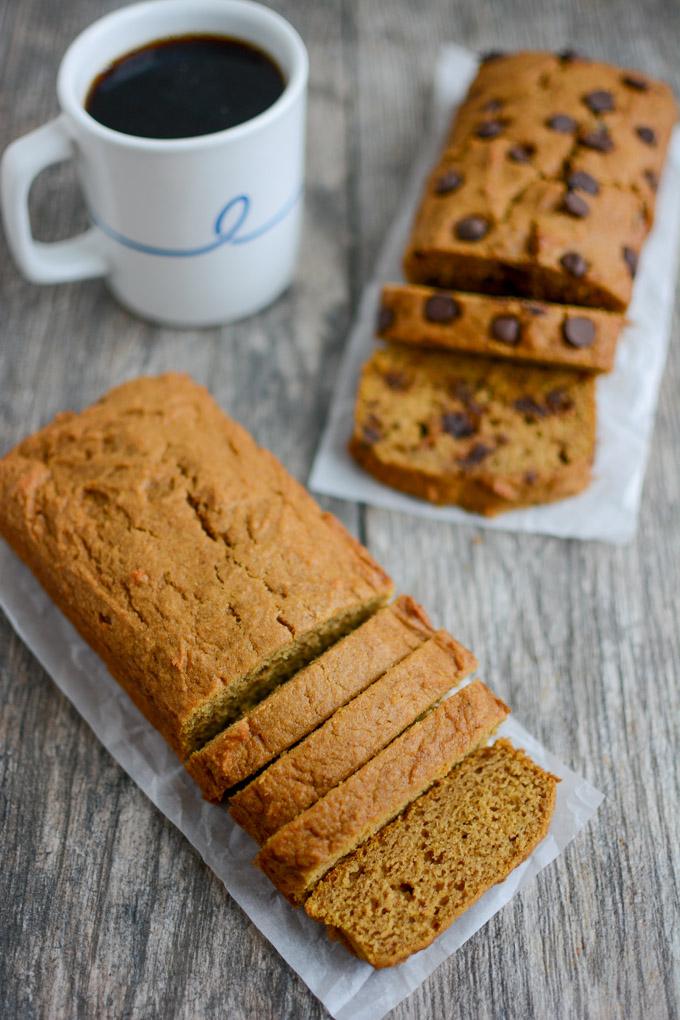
(406, 884)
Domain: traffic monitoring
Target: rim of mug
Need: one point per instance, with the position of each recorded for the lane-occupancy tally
(74, 106)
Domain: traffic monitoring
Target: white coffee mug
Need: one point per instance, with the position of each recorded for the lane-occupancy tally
(188, 231)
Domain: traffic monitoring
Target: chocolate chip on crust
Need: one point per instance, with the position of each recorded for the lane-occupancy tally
(646, 134)
(472, 228)
(448, 182)
(578, 331)
(507, 329)
(384, 319)
(630, 257)
(599, 101)
(574, 264)
(441, 308)
(575, 205)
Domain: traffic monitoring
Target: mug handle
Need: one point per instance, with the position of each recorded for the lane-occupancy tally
(77, 258)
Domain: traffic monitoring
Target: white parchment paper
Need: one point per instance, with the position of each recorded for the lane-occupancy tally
(627, 397)
(349, 989)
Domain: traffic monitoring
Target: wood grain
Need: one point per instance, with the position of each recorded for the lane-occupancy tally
(105, 911)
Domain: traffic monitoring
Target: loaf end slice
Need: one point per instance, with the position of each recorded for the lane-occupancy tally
(351, 737)
(302, 851)
(484, 434)
(297, 707)
(409, 882)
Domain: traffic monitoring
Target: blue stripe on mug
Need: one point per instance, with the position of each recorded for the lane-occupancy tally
(228, 229)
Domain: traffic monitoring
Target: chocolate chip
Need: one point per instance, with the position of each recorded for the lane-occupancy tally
(371, 433)
(568, 56)
(575, 205)
(599, 101)
(599, 139)
(531, 407)
(652, 179)
(530, 477)
(475, 455)
(506, 329)
(448, 182)
(384, 319)
(397, 381)
(579, 180)
(489, 129)
(441, 308)
(578, 331)
(558, 400)
(646, 134)
(463, 392)
(521, 153)
(472, 228)
(490, 55)
(574, 264)
(633, 82)
(562, 123)
(630, 257)
(493, 106)
(458, 424)
(535, 309)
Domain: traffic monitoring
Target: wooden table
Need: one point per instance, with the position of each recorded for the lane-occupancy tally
(105, 910)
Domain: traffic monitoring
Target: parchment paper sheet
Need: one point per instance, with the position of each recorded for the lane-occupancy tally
(350, 990)
(627, 398)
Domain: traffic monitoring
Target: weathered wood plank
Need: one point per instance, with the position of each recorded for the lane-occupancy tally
(104, 908)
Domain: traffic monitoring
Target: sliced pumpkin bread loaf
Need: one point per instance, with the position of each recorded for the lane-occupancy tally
(485, 434)
(296, 856)
(500, 327)
(351, 737)
(406, 884)
(186, 555)
(310, 697)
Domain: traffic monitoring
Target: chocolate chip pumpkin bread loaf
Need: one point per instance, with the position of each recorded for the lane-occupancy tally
(500, 327)
(352, 736)
(546, 184)
(483, 434)
(184, 553)
(406, 884)
(296, 856)
(297, 707)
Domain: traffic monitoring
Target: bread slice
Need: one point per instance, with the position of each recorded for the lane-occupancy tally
(406, 884)
(302, 851)
(351, 737)
(200, 571)
(485, 434)
(297, 707)
(500, 327)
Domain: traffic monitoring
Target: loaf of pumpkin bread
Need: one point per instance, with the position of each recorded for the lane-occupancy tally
(406, 884)
(546, 184)
(184, 553)
(296, 856)
(297, 707)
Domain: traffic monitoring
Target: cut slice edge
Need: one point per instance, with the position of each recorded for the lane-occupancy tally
(297, 856)
(303, 702)
(410, 881)
(351, 736)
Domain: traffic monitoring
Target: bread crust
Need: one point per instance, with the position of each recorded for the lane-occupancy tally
(545, 158)
(469, 327)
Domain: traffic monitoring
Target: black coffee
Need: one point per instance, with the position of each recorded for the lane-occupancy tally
(185, 86)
